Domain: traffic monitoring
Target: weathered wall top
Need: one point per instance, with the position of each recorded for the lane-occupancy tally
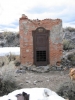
(47, 23)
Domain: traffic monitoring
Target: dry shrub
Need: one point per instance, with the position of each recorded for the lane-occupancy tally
(2, 44)
(71, 57)
(6, 86)
(71, 29)
(17, 35)
(7, 80)
(15, 58)
(3, 61)
(17, 61)
(11, 57)
(67, 90)
(67, 45)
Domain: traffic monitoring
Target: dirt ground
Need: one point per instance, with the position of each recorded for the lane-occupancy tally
(52, 80)
(28, 79)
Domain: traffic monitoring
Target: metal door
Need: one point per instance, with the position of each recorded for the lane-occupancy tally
(41, 46)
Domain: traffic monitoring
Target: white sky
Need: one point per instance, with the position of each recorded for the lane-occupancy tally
(11, 11)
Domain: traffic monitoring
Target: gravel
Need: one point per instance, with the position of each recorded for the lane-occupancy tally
(29, 79)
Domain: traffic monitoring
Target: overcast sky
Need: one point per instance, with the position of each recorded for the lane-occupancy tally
(11, 11)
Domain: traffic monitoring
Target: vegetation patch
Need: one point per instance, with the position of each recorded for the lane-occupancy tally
(67, 45)
(6, 86)
(71, 57)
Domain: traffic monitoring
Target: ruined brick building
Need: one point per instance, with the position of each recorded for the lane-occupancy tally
(40, 41)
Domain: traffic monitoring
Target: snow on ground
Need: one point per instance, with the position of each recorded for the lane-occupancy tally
(7, 50)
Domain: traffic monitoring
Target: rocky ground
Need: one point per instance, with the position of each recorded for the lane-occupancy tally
(25, 78)
(58, 81)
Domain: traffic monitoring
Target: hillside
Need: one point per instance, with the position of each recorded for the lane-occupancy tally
(10, 39)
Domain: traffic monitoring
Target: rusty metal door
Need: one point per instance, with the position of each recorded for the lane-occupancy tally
(41, 46)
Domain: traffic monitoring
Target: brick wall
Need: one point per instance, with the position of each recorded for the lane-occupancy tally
(26, 26)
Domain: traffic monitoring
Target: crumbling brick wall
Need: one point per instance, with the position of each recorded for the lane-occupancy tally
(26, 26)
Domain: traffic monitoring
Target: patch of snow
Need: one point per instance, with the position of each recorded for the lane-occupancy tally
(9, 50)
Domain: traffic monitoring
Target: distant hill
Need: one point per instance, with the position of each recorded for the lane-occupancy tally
(11, 39)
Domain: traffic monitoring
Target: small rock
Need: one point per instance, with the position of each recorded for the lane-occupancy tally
(47, 80)
(27, 81)
(53, 68)
(35, 82)
(15, 75)
(59, 68)
(20, 71)
(41, 69)
(21, 84)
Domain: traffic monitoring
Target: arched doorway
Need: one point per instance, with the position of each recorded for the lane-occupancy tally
(41, 46)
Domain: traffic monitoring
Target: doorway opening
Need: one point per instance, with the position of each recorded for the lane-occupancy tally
(41, 46)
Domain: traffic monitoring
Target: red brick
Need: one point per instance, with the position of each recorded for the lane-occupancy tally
(26, 48)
